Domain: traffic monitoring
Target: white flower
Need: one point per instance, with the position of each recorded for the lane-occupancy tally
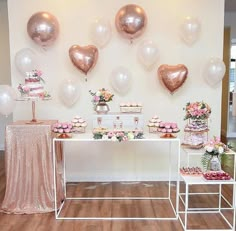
(220, 150)
(130, 135)
(98, 93)
(113, 138)
(105, 137)
(209, 148)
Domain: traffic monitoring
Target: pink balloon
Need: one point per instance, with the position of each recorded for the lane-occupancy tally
(43, 28)
(84, 58)
(173, 77)
(131, 21)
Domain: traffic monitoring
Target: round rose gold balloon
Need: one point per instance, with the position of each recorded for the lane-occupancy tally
(173, 77)
(84, 58)
(131, 20)
(43, 28)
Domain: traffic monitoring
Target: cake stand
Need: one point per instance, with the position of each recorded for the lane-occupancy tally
(33, 105)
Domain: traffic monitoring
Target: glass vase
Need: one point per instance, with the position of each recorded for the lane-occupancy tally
(214, 163)
(102, 108)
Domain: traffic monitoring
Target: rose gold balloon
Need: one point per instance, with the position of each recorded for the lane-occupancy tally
(173, 77)
(43, 28)
(131, 21)
(84, 58)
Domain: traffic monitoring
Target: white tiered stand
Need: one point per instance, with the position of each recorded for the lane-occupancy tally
(200, 181)
(148, 138)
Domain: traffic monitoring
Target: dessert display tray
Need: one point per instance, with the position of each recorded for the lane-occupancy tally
(191, 171)
(129, 109)
(216, 176)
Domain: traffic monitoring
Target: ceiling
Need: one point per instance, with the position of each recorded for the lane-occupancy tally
(230, 5)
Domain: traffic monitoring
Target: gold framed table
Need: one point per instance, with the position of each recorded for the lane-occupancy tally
(29, 168)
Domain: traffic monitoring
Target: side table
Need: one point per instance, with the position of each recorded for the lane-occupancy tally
(29, 168)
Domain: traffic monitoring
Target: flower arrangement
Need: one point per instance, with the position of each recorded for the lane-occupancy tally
(102, 95)
(118, 135)
(23, 89)
(197, 111)
(214, 148)
(62, 128)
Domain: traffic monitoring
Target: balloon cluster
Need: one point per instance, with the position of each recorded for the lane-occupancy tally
(130, 22)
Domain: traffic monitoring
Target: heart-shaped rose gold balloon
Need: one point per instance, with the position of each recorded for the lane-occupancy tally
(84, 58)
(173, 77)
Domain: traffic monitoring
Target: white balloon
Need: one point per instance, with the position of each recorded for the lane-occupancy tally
(121, 80)
(26, 61)
(148, 53)
(100, 32)
(7, 99)
(69, 91)
(214, 71)
(190, 30)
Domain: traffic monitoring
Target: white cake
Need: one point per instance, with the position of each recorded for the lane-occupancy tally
(33, 86)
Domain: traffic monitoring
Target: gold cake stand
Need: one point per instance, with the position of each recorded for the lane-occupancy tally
(33, 106)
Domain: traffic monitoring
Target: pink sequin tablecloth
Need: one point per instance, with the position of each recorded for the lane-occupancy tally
(29, 168)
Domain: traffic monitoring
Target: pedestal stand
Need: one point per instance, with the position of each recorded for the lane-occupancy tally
(33, 105)
(34, 120)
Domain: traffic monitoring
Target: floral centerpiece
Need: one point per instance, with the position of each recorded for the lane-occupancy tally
(197, 111)
(100, 99)
(63, 129)
(118, 135)
(214, 154)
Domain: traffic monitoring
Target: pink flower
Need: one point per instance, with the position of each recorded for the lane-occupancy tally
(125, 138)
(110, 134)
(96, 98)
(39, 73)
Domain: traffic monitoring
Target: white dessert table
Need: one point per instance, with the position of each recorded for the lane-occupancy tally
(200, 181)
(88, 137)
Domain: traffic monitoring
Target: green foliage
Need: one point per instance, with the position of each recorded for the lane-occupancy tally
(206, 157)
(97, 136)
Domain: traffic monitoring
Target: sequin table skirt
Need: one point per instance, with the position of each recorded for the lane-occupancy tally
(29, 168)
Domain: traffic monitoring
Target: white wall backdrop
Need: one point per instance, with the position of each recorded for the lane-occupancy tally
(164, 19)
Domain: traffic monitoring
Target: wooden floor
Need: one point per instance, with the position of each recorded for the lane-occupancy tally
(118, 208)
